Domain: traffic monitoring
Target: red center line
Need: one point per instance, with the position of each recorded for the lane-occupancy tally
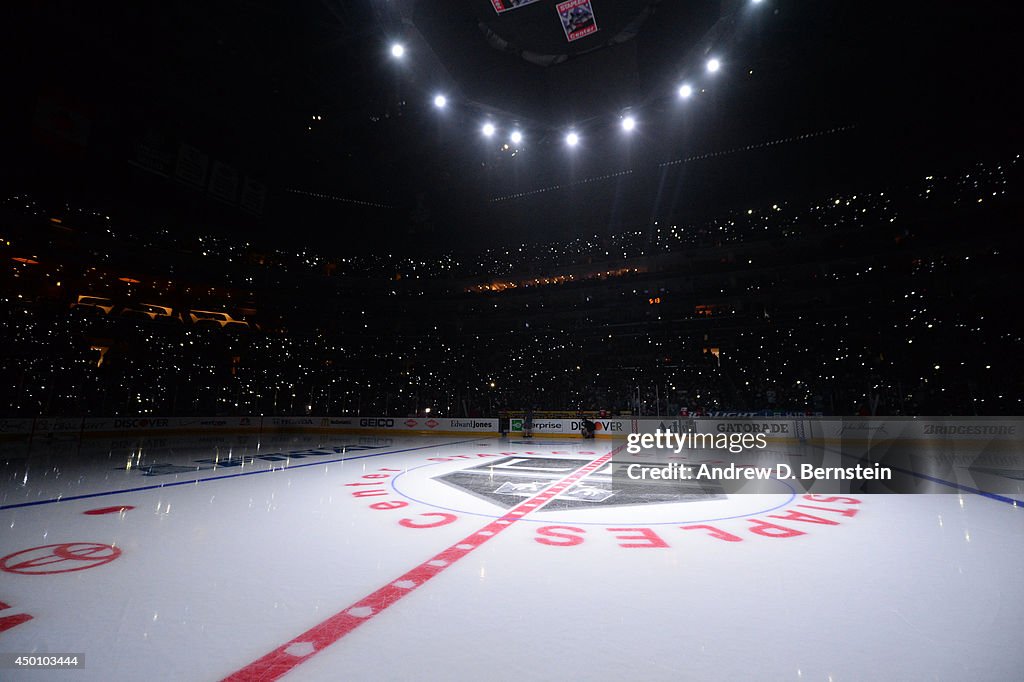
(283, 659)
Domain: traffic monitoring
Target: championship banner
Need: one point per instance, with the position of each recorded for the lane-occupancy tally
(577, 18)
(192, 165)
(505, 5)
(224, 181)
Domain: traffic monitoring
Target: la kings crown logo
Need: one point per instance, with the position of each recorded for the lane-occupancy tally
(509, 481)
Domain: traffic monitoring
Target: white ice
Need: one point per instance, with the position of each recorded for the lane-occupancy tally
(221, 569)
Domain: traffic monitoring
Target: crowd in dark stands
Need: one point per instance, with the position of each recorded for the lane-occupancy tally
(898, 300)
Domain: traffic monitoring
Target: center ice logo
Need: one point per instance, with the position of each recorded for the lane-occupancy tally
(509, 481)
(516, 483)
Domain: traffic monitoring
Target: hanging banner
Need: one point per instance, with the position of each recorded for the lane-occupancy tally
(192, 165)
(577, 18)
(505, 5)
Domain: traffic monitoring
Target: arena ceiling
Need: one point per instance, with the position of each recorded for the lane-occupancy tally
(307, 97)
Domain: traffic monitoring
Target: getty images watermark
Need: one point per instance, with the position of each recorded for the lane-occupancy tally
(734, 443)
(677, 442)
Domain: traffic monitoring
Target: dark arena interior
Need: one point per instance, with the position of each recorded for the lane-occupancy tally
(248, 237)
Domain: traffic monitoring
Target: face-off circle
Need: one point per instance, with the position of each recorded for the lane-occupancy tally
(59, 558)
(561, 494)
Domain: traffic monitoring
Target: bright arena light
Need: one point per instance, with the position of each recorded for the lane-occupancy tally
(572, 139)
(440, 101)
(397, 50)
(516, 137)
(685, 90)
(714, 65)
(488, 129)
(628, 123)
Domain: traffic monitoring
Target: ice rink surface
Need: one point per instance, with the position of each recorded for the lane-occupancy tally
(364, 558)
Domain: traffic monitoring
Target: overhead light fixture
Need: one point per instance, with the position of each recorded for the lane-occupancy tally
(488, 129)
(572, 139)
(440, 101)
(516, 137)
(714, 65)
(397, 50)
(628, 123)
(685, 90)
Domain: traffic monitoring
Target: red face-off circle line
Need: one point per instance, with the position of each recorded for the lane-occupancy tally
(60, 553)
